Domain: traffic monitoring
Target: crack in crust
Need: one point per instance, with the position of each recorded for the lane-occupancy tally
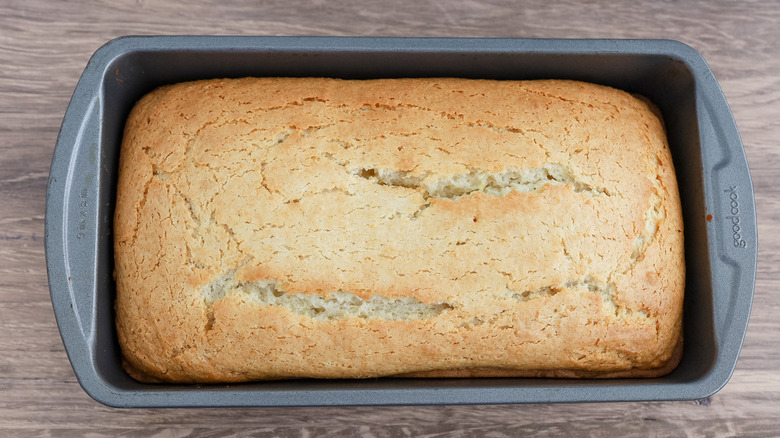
(652, 218)
(329, 307)
(607, 291)
(496, 184)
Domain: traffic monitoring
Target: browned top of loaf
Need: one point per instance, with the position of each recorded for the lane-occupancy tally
(277, 227)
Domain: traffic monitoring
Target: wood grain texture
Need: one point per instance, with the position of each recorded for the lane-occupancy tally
(44, 46)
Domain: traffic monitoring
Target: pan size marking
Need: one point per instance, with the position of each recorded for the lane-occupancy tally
(733, 217)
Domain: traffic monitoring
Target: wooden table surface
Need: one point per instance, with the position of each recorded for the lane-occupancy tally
(44, 46)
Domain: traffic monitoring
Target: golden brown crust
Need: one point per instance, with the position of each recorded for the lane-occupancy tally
(271, 228)
(662, 370)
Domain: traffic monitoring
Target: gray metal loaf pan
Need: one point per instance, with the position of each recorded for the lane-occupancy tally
(708, 155)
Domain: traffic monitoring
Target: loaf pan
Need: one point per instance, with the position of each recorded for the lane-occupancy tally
(715, 185)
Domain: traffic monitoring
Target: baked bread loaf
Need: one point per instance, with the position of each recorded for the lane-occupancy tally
(306, 227)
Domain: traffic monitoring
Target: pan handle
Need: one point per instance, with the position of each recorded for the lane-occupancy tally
(71, 224)
(731, 217)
